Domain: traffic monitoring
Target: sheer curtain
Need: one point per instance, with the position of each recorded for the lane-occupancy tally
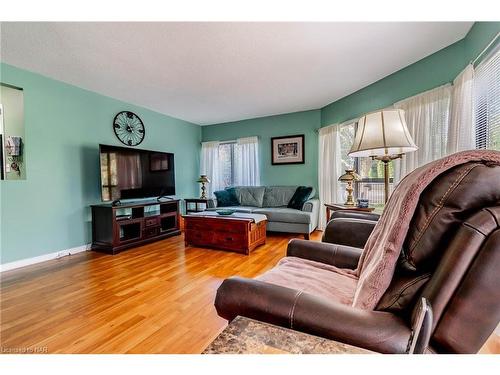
(461, 134)
(427, 117)
(329, 169)
(246, 168)
(209, 165)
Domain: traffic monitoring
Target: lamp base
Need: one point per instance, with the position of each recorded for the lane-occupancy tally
(203, 191)
(386, 159)
(350, 198)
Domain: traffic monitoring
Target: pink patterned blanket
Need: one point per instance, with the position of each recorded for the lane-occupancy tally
(378, 261)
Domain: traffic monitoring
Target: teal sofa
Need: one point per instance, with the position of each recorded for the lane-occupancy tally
(272, 201)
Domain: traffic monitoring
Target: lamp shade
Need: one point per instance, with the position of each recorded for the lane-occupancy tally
(382, 133)
(349, 175)
(203, 178)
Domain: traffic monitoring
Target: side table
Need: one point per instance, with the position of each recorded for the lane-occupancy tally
(200, 204)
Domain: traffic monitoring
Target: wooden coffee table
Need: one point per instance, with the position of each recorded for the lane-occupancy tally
(238, 232)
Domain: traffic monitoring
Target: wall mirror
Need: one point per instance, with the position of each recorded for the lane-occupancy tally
(12, 133)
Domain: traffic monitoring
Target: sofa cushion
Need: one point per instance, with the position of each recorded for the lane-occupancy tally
(285, 214)
(226, 198)
(250, 195)
(319, 279)
(300, 197)
(278, 196)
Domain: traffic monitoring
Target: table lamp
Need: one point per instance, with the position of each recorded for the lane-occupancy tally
(349, 177)
(383, 135)
(203, 180)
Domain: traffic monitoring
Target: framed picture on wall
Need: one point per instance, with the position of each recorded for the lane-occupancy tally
(288, 149)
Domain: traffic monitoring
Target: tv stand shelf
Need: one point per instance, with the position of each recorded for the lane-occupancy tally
(118, 227)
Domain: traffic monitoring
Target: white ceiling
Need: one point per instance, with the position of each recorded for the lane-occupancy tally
(210, 73)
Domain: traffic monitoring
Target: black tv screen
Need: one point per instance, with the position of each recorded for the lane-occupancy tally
(128, 173)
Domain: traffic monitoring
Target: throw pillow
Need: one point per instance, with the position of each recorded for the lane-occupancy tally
(226, 198)
(252, 196)
(300, 197)
(278, 196)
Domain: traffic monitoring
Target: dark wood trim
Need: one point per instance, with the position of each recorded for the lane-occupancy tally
(289, 136)
(11, 86)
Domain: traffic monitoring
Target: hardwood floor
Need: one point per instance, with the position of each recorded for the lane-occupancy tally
(157, 298)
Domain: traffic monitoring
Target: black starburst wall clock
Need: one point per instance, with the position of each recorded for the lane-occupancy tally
(129, 128)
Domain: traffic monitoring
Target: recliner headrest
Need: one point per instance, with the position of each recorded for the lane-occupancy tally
(448, 201)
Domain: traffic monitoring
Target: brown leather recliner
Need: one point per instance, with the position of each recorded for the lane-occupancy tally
(451, 257)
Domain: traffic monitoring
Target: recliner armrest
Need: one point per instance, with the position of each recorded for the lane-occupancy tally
(379, 331)
(348, 231)
(336, 255)
(354, 215)
(254, 299)
(374, 330)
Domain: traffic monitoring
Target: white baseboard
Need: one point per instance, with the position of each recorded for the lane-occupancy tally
(43, 258)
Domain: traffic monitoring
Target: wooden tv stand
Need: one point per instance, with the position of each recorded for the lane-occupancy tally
(116, 228)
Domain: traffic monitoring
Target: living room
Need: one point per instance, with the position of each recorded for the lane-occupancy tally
(249, 187)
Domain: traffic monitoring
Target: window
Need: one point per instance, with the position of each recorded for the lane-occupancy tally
(108, 174)
(371, 185)
(226, 164)
(230, 163)
(346, 132)
(239, 162)
(487, 102)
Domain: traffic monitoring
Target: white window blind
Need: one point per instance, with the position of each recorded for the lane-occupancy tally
(487, 102)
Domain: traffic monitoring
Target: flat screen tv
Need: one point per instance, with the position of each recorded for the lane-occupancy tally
(128, 173)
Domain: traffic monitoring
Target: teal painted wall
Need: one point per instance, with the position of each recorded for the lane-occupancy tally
(274, 126)
(478, 38)
(49, 211)
(432, 71)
